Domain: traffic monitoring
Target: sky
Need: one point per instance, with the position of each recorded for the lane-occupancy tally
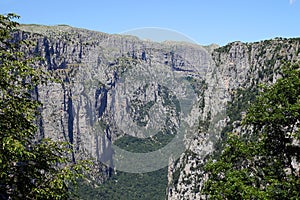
(203, 21)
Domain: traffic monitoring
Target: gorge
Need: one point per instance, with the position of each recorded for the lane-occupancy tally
(121, 93)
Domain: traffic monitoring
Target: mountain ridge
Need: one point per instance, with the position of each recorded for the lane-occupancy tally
(89, 108)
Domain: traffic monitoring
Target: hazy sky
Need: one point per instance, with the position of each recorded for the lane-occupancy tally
(205, 21)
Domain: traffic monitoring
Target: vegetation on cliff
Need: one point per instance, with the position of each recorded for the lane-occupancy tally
(264, 162)
(30, 167)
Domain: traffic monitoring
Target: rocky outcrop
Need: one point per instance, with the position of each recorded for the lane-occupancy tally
(115, 85)
(110, 84)
(232, 85)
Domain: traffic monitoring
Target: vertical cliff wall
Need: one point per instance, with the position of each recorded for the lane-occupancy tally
(232, 86)
(112, 84)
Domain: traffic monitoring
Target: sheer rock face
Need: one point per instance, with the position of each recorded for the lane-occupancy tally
(107, 80)
(111, 81)
(237, 66)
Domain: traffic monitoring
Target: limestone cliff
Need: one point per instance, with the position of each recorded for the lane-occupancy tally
(112, 84)
(232, 86)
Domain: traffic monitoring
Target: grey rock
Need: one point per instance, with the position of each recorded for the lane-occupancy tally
(110, 82)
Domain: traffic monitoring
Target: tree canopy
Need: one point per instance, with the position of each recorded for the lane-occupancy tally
(30, 168)
(263, 163)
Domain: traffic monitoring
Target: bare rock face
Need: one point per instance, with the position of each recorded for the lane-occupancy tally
(112, 84)
(232, 81)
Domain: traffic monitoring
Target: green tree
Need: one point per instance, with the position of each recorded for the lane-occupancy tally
(29, 168)
(263, 163)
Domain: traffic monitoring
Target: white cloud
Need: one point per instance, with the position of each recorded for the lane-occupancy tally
(292, 1)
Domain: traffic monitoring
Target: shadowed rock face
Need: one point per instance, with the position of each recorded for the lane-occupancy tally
(112, 83)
